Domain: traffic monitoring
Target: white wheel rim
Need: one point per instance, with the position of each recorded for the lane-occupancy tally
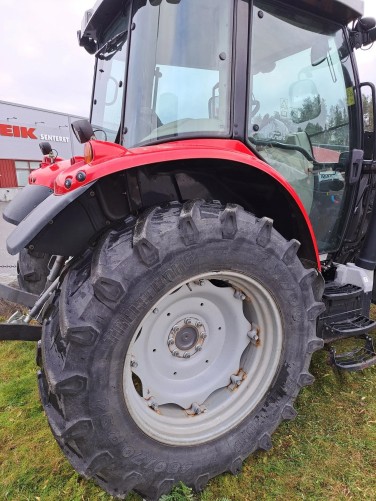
(205, 356)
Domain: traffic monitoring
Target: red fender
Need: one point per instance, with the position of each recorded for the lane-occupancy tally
(109, 158)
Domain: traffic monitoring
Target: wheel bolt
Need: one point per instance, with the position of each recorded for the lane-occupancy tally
(153, 404)
(236, 380)
(196, 409)
(252, 334)
(187, 321)
(170, 342)
(203, 335)
(198, 324)
(175, 353)
(186, 355)
(198, 347)
(175, 329)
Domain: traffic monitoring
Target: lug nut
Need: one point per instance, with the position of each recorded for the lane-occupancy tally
(153, 404)
(252, 334)
(187, 321)
(198, 347)
(186, 355)
(134, 363)
(236, 380)
(170, 342)
(196, 409)
(175, 353)
(239, 295)
(198, 324)
(155, 311)
(68, 183)
(203, 335)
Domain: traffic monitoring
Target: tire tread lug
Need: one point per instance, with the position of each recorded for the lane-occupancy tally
(148, 253)
(228, 220)
(189, 216)
(265, 226)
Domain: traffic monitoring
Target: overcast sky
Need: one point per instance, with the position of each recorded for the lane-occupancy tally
(41, 64)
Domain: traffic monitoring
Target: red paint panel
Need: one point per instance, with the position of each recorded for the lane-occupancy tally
(109, 158)
(8, 177)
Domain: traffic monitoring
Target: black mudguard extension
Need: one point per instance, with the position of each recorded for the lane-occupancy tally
(25, 202)
(40, 217)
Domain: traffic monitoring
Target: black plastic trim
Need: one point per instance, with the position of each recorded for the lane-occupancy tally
(240, 77)
(40, 217)
(25, 202)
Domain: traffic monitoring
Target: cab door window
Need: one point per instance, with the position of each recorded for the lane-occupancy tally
(301, 105)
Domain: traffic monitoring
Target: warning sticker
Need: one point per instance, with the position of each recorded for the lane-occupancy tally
(350, 96)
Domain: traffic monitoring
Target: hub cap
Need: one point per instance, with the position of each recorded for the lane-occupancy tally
(202, 358)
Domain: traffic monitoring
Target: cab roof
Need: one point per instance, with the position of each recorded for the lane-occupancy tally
(342, 11)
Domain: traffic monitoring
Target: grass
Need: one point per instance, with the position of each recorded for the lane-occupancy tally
(327, 453)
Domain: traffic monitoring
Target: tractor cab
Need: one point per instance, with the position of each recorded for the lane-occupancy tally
(278, 76)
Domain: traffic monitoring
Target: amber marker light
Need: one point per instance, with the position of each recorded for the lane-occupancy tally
(88, 153)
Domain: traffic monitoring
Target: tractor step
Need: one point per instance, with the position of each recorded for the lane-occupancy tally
(352, 327)
(346, 313)
(345, 328)
(356, 360)
(338, 292)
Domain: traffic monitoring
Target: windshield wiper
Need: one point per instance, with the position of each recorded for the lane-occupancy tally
(112, 46)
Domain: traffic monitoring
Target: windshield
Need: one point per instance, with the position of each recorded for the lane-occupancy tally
(179, 70)
(301, 106)
(109, 85)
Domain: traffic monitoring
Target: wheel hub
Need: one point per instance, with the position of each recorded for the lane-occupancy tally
(178, 362)
(186, 337)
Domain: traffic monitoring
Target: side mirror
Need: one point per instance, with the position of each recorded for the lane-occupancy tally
(305, 102)
(368, 95)
(364, 33)
(83, 130)
(45, 148)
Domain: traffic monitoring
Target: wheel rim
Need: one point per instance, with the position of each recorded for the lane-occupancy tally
(203, 358)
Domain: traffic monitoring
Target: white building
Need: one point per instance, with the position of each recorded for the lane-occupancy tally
(22, 128)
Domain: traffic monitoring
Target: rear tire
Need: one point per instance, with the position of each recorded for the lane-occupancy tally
(105, 348)
(32, 270)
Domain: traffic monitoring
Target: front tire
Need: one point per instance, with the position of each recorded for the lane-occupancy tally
(178, 348)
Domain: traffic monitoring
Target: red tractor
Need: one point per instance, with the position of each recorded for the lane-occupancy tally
(218, 231)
